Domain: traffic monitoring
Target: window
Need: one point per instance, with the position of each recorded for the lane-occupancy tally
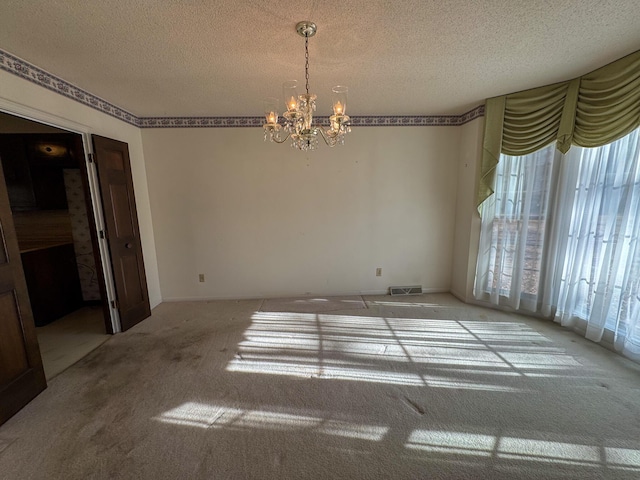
(514, 225)
(560, 237)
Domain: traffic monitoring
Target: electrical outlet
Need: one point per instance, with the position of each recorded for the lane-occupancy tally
(378, 272)
(201, 277)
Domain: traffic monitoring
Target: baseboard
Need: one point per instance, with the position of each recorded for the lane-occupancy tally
(211, 299)
(458, 295)
(263, 297)
(373, 292)
(305, 295)
(424, 290)
(436, 290)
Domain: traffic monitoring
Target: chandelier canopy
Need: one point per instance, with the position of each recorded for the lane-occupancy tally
(298, 114)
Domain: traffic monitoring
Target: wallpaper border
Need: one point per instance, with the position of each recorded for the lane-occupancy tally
(23, 69)
(27, 71)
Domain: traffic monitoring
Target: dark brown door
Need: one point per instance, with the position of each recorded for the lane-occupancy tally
(21, 373)
(123, 236)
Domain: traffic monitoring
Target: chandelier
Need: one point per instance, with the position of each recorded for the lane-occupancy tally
(298, 117)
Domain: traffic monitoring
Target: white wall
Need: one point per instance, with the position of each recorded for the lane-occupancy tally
(467, 228)
(260, 219)
(18, 95)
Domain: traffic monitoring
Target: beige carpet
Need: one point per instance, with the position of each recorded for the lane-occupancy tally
(407, 388)
(312, 304)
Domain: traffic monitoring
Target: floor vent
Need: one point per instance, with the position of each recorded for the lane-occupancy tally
(412, 290)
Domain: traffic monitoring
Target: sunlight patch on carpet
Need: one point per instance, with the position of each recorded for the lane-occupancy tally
(194, 414)
(466, 355)
(523, 449)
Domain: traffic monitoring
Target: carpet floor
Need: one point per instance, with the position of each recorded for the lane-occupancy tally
(421, 387)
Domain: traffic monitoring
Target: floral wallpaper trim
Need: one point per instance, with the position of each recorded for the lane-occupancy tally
(12, 64)
(23, 69)
(363, 121)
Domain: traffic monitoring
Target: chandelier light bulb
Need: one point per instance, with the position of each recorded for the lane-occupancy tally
(339, 94)
(271, 110)
(290, 94)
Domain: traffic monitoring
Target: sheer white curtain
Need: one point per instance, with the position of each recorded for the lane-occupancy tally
(514, 226)
(595, 251)
(587, 258)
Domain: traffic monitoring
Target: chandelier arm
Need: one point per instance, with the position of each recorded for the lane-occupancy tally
(328, 139)
(276, 138)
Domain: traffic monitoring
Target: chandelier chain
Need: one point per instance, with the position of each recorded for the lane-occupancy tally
(306, 61)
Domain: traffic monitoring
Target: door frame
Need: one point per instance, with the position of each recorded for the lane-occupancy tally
(28, 113)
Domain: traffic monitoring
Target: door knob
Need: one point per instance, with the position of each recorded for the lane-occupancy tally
(128, 245)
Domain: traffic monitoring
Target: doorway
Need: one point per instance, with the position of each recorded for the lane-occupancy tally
(46, 179)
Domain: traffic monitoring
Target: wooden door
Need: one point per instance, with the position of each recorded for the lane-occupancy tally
(123, 235)
(21, 373)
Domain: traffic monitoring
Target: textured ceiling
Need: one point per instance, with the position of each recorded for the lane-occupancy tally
(402, 57)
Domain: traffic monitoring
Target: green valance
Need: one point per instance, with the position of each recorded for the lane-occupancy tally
(588, 111)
